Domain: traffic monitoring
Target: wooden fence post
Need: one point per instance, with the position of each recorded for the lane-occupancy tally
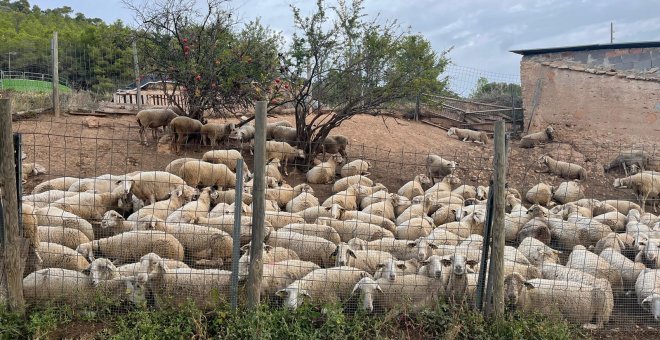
(12, 243)
(495, 303)
(137, 77)
(258, 210)
(56, 76)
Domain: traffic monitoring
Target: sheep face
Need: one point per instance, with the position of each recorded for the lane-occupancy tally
(435, 266)
(111, 219)
(459, 263)
(367, 287)
(293, 296)
(336, 211)
(342, 254)
(513, 289)
(151, 262)
(634, 215)
(424, 180)
(101, 270)
(652, 305)
(549, 131)
(424, 248)
(357, 243)
(38, 169)
(389, 269)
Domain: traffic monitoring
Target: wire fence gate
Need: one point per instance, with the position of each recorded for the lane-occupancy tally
(112, 221)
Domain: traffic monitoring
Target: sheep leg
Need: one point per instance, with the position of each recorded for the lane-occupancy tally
(625, 169)
(286, 163)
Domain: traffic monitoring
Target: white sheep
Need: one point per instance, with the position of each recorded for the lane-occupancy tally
(284, 152)
(331, 285)
(473, 223)
(467, 135)
(615, 220)
(579, 303)
(114, 223)
(324, 173)
(207, 246)
(214, 134)
(437, 167)
(174, 167)
(279, 275)
(343, 183)
(384, 208)
(419, 249)
(99, 184)
(153, 119)
(414, 228)
(628, 269)
(135, 268)
(369, 218)
(647, 289)
(55, 217)
(568, 192)
(58, 256)
(649, 252)
(226, 224)
(45, 198)
(227, 157)
(130, 246)
(60, 183)
(89, 205)
(540, 194)
(208, 174)
(182, 129)
(309, 248)
(279, 219)
(191, 210)
(457, 286)
(273, 169)
(563, 169)
(407, 292)
(390, 269)
(31, 169)
(582, 259)
(537, 252)
(644, 185)
(448, 183)
(270, 128)
(313, 229)
(414, 187)
(623, 206)
(538, 138)
(67, 237)
(181, 195)
(347, 199)
(269, 255)
(367, 260)
(350, 229)
(301, 202)
(285, 193)
(358, 167)
(152, 186)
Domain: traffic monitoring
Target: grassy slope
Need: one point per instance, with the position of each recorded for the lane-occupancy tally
(24, 85)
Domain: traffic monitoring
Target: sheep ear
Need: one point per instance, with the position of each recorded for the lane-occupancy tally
(471, 263)
(355, 288)
(351, 253)
(412, 244)
(282, 293)
(528, 285)
(401, 265)
(446, 262)
(304, 292)
(433, 245)
(380, 265)
(378, 288)
(334, 253)
(646, 301)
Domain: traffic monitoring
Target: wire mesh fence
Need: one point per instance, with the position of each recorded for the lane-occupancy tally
(388, 228)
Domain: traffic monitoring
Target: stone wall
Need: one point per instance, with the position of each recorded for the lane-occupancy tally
(637, 59)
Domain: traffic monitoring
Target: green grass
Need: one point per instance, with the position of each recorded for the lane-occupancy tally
(25, 85)
(309, 322)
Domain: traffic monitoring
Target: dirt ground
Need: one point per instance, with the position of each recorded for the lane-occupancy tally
(396, 148)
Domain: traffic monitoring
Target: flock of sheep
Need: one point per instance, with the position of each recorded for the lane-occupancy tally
(165, 236)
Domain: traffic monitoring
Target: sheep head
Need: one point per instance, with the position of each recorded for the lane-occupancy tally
(293, 296)
(435, 267)
(389, 269)
(514, 284)
(367, 286)
(111, 219)
(549, 131)
(652, 304)
(424, 247)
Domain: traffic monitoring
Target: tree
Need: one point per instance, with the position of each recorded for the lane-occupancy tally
(211, 63)
(497, 93)
(340, 64)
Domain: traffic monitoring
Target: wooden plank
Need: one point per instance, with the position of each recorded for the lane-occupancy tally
(80, 113)
(433, 124)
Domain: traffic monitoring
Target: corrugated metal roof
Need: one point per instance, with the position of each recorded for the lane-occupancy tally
(641, 44)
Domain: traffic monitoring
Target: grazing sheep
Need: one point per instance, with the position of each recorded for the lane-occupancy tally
(563, 169)
(31, 169)
(467, 135)
(284, 152)
(208, 174)
(174, 167)
(639, 158)
(153, 119)
(324, 173)
(182, 129)
(647, 289)
(343, 183)
(331, 285)
(437, 167)
(55, 217)
(644, 185)
(243, 134)
(578, 303)
(68, 237)
(358, 167)
(414, 187)
(58, 256)
(301, 202)
(348, 230)
(181, 195)
(538, 138)
(540, 194)
(568, 192)
(60, 183)
(335, 144)
(214, 134)
(582, 259)
(130, 246)
(152, 186)
(309, 248)
(367, 260)
(227, 157)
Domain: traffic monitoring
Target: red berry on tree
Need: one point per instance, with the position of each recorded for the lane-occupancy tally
(277, 80)
(185, 40)
(198, 78)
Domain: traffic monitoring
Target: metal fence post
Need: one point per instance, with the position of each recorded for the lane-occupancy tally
(10, 264)
(258, 209)
(236, 235)
(481, 281)
(56, 75)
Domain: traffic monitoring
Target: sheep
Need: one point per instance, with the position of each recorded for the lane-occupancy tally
(190, 210)
(358, 167)
(179, 285)
(414, 187)
(242, 134)
(174, 167)
(568, 192)
(468, 135)
(308, 248)
(335, 211)
(639, 158)
(467, 191)
(279, 275)
(347, 199)
(350, 229)
(577, 302)
(270, 128)
(301, 202)
(437, 167)
(227, 157)
(284, 134)
(182, 129)
(644, 185)
(390, 269)
(343, 183)
(414, 228)
(131, 245)
(135, 268)
(582, 259)
(88, 205)
(30, 226)
(628, 269)
(441, 216)
(228, 196)
(537, 252)
(647, 289)
(285, 193)
(457, 286)
(99, 184)
(181, 195)
(313, 229)
(335, 144)
(214, 134)
(367, 260)
(384, 208)
(208, 174)
(614, 220)
(473, 223)
(649, 254)
(439, 236)
(31, 169)
(562, 169)
(538, 138)
(594, 229)
(448, 183)
(324, 173)
(152, 186)
(374, 197)
(537, 228)
(226, 224)
(331, 285)
(55, 217)
(279, 219)
(555, 271)
(649, 219)
(60, 183)
(153, 119)
(58, 256)
(613, 240)
(284, 152)
(419, 249)
(207, 246)
(273, 169)
(67, 237)
(540, 194)
(270, 255)
(45, 198)
(113, 223)
(409, 292)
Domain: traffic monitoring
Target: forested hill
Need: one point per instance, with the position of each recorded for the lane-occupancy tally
(93, 55)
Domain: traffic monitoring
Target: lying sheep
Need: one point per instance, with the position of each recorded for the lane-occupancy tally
(174, 167)
(285, 193)
(645, 185)
(226, 224)
(182, 129)
(578, 303)
(647, 289)
(181, 195)
(357, 167)
(335, 144)
(208, 174)
(392, 269)
(367, 260)
(563, 169)
(55, 217)
(350, 229)
(45, 198)
(437, 167)
(191, 210)
(284, 152)
(313, 229)
(331, 285)
(279, 275)
(279, 219)
(473, 223)
(308, 248)
(284, 134)
(135, 268)
(324, 173)
(649, 253)
(31, 169)
(227, 157)
(269, 255)
(614, 220)
(68, 237)
(60, 183)
(89, 205)
(447, 185)
(537, 252)
(273, 169)
(152, 186)
(343, 183)
(582, 259)
(114, 223)
(208, 246)
(58, 256)
(414, 228)
(625, 159)
(414, 187)
(540, 194)
(214, 134)
(130, 246)
(419, 249)
(568, 192)
(99, 184)
(538, 138)
(615, 241)
(628, 269)
(310, 215)
(384, 208)
(466, 135)
(407, 292)
(369, 218)
(153, 119)
(303, 201)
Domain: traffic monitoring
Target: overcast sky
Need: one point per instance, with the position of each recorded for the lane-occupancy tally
(481, 31)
